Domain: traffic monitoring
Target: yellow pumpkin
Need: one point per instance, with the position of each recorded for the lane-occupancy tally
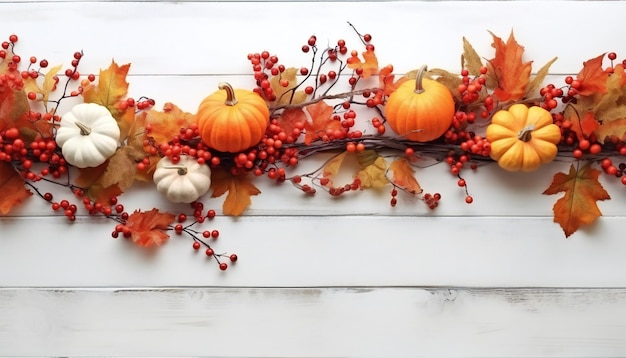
(420, 110)
(523, 138)
(232, 120)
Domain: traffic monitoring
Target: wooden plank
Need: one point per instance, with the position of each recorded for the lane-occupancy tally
(322, 322)
(217, 36)
(321, 251)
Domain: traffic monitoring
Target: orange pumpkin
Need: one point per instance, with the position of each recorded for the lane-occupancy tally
(232, 120)
(420, 110)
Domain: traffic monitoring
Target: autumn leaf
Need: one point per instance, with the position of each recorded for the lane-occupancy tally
(386, 80)
(470, 59)
(582, 190)
(402, 176)
(121, 168)
(12, 191)
(48, 85)
(373, 169)
(369, 65)
(292, 118)
(147, 229)
(239, 187)
(321, 115)
(592, 77)
(286, 95)
(611, 129)
(332, 166)
(537, 82)
(13, 108)
(166, 124)
(91, 180)
(583, 127)
(511, 73)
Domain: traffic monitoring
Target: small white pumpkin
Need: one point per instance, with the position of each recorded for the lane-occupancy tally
(183, 182)
(88, 135)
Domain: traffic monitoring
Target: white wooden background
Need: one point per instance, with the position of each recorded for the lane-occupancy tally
(316, 276)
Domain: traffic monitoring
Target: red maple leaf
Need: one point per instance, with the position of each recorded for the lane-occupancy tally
(322, 122)
(512, 74)
(12, 190)
(148, 228)
(592, 77)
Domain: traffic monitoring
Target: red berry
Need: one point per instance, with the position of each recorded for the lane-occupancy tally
(223, 266)
(233, 257)
(209, 252)
(196, 245)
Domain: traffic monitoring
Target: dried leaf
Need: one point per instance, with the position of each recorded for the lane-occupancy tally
(286, 95)
(48, 85)
(322, 120)
(470, 59)
(403, 176)
(374, 168)
(592, 77)
(578, 206)
(583, 127)
(91, 180)
(332, 166)
(166, 124)
(13, 108)
(386, 79)
(611, 129)
(110, 89)
(147, 229)
(537, 82)
(239, 187)
(369, 65)
(511, 72)
(12, 191)
(121, 168)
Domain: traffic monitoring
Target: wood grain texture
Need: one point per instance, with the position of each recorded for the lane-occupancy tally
(318, 276)
(321, 322)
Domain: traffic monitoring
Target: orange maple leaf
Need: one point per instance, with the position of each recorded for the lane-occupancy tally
(592, 77)
(578, 206)
(321, 122)
(369, 65)
(403, 176)
(147, 228)
(583, 127)
(166, 124)
(386, 78)
(12, 190)
(511, 73)
(239, 188)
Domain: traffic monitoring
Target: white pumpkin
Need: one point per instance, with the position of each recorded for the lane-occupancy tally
(183, 182)
(88, 135)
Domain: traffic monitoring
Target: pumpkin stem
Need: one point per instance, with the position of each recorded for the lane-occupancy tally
(230, 93)
(418, 81)
(181, 169)
(84, 130)
(525, 134)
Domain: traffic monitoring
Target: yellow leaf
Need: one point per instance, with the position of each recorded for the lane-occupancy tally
(111, 88)
(403, 176)
(31, 85)
(286, 95)
(332, 166)
(537, 81)
(373, 175)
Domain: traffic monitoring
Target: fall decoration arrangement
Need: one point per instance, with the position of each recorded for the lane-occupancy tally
(491, 111)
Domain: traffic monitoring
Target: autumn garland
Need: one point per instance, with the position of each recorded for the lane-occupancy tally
(110, 140)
